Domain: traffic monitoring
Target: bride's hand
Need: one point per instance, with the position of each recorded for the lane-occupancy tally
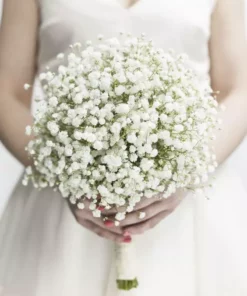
(155, 210)
(97, 225)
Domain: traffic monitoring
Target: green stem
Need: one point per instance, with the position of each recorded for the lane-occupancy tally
(127, 284)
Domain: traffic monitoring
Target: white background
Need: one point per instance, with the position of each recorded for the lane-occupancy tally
(10, 169)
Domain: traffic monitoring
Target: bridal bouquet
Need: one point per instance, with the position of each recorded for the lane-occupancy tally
(121, 119)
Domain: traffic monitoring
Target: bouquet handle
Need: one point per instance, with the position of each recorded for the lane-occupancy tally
(125, 266)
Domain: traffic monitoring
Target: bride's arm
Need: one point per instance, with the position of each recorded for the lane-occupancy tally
(228, 53)
(18, 46)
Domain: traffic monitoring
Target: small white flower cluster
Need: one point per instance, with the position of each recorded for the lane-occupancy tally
(122, 119)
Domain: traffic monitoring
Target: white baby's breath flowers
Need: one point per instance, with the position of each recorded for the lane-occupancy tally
(60, 56)
(122, 120)
(120, 216)
(117, 223)
(142, 215)
(28, 130)
(80, 205)
(27, 86)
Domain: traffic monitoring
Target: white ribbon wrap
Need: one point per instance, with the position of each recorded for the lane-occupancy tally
(125, 261)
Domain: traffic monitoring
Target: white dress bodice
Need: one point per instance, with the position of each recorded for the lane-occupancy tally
(183, 25)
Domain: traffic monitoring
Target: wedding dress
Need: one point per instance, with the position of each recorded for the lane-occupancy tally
(199, 250)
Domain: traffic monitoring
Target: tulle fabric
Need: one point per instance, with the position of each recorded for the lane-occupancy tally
(199, 250)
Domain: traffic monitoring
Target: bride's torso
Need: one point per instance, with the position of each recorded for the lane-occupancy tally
(183, 25)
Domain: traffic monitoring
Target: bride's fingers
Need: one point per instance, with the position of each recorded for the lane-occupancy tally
(108, 226)
(101, 231)
(145, 202)
(142, 204)
(146, 225)
(150, 211)
(114, 210)
(87, 215)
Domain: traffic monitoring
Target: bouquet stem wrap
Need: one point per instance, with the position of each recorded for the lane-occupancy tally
(125, 266)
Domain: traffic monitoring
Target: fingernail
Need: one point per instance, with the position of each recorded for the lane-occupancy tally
(101, 208)
(127, 239)
(108, 223)
(126, 233)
